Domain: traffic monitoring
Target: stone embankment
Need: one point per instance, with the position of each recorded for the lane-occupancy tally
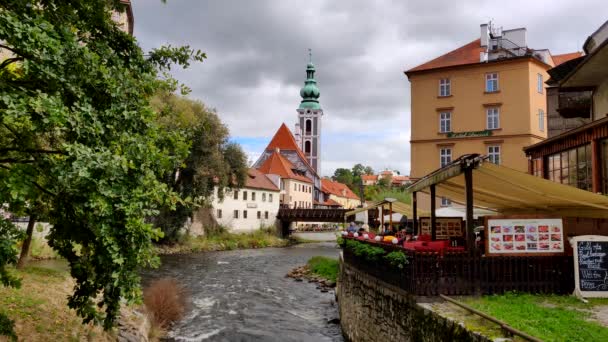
(302, 273)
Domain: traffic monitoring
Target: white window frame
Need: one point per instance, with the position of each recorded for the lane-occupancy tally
(494, 154)
(263, 197)
(445, 87)
(539, 83)
(445, 122)
(270, 198)
(493, 118)
(445, 156)
(236, 214)
(492, 77)
(541, 120)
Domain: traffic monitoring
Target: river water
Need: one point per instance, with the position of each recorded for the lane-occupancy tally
(245, 296)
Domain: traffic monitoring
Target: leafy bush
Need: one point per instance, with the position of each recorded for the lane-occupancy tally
(7, 328)
(372, 253)
(397, 259)
(9, 235)
(369, 252)
(165, 300)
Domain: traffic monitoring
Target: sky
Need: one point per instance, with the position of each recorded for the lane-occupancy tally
(257, 53)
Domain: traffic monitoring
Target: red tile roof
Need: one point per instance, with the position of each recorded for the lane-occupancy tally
(283, 139)
(369, 177)
(559, 59)
(466, 54)
(279, 165)
(337, 188)
(331, 203)
(469, 54)
(258, 180)
(401, 178)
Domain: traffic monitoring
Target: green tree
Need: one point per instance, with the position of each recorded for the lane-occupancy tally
(9, 235)
(212, 160)
(344, 176)
(358, 170)
(385, 182)
(75, 108)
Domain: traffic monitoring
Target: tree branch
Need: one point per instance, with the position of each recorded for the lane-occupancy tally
(9, 48)
(8, 61)
(43, 189)
(17, 161)
(30, 150)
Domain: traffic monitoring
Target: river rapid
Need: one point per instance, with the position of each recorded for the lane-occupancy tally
(244, 296)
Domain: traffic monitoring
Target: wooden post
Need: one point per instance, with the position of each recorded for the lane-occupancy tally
(433, 218)
(596, 167)
(468, 179)
(381, 218)
(415, 212)
(390, 214)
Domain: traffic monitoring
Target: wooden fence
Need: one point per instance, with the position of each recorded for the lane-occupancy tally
(431, 274)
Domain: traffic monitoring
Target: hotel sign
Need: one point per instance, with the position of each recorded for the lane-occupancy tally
(484, 133)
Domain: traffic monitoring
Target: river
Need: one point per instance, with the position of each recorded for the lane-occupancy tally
(244, 296)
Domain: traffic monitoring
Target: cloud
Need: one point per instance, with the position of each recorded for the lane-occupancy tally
(257, 54)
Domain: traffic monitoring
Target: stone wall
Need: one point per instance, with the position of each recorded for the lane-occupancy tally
(372, 310)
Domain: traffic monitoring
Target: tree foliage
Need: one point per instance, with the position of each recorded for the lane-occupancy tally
(78, 133)
(212, 161)
(352, 177)
(344, 176)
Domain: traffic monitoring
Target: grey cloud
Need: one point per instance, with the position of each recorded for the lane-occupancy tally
(257, 54)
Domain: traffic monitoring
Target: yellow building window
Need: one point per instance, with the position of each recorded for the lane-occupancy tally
(494, 154)
(492, 82)
(445, 122)
(445, 87)
(493, 118)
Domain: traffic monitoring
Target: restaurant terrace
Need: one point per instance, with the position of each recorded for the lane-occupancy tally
(523, 247)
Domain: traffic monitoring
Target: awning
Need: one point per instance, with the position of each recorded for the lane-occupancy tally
(509, 191)
(398, 207)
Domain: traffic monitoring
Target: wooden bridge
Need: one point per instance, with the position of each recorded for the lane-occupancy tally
(286, 216)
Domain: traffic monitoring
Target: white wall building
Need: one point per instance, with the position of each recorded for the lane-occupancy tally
(254, 206)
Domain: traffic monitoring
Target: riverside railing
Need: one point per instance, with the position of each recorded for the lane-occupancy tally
(469, 273)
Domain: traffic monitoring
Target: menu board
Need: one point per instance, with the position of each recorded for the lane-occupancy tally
(524, 236)
(590, 265)
(447, 227)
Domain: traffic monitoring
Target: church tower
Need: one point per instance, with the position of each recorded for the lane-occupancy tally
(308, 128)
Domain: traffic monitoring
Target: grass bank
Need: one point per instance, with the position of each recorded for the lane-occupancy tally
(324, 267)
(224, 241)
(39, 307)
(548, 317)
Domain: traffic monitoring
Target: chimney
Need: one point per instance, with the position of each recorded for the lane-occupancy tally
(485, 33)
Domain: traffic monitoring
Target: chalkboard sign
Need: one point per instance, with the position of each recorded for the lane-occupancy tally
(591, 265)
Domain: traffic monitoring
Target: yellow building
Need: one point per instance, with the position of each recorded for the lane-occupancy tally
(339, 193)
(485, 97)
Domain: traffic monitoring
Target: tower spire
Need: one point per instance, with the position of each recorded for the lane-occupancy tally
(310, 92)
